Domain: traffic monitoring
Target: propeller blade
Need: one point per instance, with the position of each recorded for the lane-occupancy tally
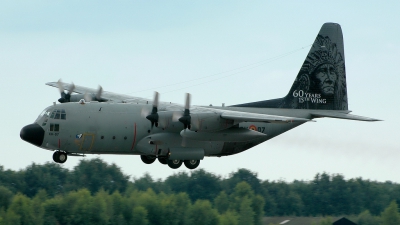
(176, 115)
(155, 100)
(71, 88)
(153, 116)
(99, 92)
(60, 86)
(87, 97)
(186, 118)
(187, 101)
(144, 112)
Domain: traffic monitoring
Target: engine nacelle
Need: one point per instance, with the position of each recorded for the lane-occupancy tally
(76, 97)
(234, 134)
(208, 122)
(165, 119)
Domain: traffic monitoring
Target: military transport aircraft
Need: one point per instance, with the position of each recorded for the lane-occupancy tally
(99, 122)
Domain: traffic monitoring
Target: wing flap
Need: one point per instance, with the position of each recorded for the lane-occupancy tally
(256, 117)
(338, 115)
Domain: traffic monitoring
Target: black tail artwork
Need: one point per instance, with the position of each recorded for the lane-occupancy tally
(321, 81)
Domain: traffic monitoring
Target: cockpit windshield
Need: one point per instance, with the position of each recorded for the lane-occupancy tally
(45, 112)
(58, 114)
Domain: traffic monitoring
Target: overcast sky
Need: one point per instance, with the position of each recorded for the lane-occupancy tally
(136, 48)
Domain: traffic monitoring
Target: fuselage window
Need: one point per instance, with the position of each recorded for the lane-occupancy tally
(44, 123)
(54, 127)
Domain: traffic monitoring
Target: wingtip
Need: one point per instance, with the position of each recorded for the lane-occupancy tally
(50, 83)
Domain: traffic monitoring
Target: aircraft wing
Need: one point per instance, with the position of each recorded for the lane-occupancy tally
(256, 117)
(109, 96)
(339, 115)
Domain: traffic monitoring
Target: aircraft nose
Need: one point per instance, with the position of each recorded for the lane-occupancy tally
(32, 133)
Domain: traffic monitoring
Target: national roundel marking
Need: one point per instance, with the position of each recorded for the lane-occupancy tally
(252, 127)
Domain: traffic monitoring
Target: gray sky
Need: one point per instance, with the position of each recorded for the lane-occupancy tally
(131, 46)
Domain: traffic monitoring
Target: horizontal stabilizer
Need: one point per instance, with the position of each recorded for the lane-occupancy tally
(345, 116)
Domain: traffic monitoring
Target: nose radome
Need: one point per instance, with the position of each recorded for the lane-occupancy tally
(33, 134)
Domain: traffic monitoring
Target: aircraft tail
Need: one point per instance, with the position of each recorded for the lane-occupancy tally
(321, 81)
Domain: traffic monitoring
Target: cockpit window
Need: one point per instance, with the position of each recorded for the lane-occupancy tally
(42, 113)
(58, 114)
(63, 114)
(45, 112)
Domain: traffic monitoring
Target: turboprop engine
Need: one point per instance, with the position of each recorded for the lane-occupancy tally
(209, 122)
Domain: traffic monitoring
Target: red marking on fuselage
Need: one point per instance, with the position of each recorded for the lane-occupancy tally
(252, 127)
(134, 138)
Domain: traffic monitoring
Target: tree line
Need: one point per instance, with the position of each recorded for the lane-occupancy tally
(96, 192)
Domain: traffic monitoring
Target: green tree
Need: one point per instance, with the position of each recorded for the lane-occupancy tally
(78, 204)
(391, 216)
(12, 180)
(243, 175)
(5, 197)
(146, 182)
(229, 218)
(203, 185)
(22, 206)
(365, 218)
(54, 212)
(242, 191)
(201, 213)
(178, 182)
(96, 174)
(37, 206)
(97, 209)
(246, 213)
(11, 218)
(151, 202)
(139, 216)
(221, 202)
(258, 208)
(119, 209)
(50, 177)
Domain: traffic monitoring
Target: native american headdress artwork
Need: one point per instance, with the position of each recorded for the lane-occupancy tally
(321, 81)
(323, 52)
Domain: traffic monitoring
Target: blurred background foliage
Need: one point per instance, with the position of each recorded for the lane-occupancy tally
(95, 192)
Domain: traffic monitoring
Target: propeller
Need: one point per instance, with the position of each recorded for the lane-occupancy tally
(186, 118)
(153, 116)
(65, 97)
(90, 97)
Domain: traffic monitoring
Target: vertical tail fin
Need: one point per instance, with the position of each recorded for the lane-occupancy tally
(321, 81)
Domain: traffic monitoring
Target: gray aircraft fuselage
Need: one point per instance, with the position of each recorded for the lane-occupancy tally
(118, 128)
